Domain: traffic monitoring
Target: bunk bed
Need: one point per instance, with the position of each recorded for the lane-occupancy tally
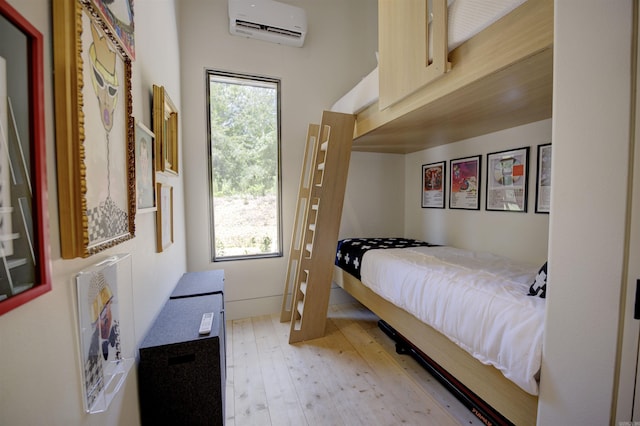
(467, 316)
(499, 78)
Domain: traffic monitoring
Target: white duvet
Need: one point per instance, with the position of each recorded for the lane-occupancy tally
(478, 300)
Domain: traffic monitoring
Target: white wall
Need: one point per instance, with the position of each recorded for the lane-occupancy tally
(157, 62)
(520, 236)
(339, 50)
(373, 204)
(591, 125)
(40, 377)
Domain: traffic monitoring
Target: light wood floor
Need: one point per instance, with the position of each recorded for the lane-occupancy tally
(352, 376)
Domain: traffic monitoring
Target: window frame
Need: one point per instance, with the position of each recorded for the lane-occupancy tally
(209, 72)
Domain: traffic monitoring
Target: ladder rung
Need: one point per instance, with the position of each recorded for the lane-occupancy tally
(314, 207)
(321, 166)
(300, 307)
(303, 288)
(309, 248)
(324, 146)
(312, 227)
(297, 325)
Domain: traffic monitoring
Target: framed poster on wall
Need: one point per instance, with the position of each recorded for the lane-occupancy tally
(507, 173)
(433, 185)
(465, 183)
(543, 179)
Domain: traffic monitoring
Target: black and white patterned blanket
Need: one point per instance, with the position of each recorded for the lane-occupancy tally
(350, 250)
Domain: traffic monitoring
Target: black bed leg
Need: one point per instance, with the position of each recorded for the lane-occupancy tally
(402, 349)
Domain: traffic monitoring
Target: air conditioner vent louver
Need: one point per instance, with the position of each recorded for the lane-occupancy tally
(247, 24)
(266, 28)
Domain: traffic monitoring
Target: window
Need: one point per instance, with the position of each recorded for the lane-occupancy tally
(244, 142)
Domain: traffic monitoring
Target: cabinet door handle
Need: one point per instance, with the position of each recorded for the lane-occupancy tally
(636, 310)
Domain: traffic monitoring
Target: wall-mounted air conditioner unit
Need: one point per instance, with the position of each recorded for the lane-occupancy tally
(268, 20)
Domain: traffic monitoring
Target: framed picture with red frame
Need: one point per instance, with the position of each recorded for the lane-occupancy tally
(25, 270)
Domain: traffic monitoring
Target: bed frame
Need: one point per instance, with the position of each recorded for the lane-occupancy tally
(457, 366)
(500, 78)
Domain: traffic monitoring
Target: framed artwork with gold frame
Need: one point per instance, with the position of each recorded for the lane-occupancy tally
(165, 127)
(94, 132)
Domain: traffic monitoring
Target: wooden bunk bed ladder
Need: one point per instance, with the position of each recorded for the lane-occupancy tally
(301, 206)
(321, 196)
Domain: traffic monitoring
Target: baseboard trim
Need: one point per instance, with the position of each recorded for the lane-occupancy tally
(247, 308)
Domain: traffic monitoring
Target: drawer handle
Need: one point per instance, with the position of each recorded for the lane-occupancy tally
(182, 359)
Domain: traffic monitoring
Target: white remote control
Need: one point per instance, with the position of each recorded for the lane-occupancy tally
(205, 324)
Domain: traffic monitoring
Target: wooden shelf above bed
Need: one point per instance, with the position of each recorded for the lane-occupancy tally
(501, 78)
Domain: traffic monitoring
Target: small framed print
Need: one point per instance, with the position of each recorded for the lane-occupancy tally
(433, 185)
(507, 173)
(543, 179)
(164, 217)
(145, 169)
(465, 183)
